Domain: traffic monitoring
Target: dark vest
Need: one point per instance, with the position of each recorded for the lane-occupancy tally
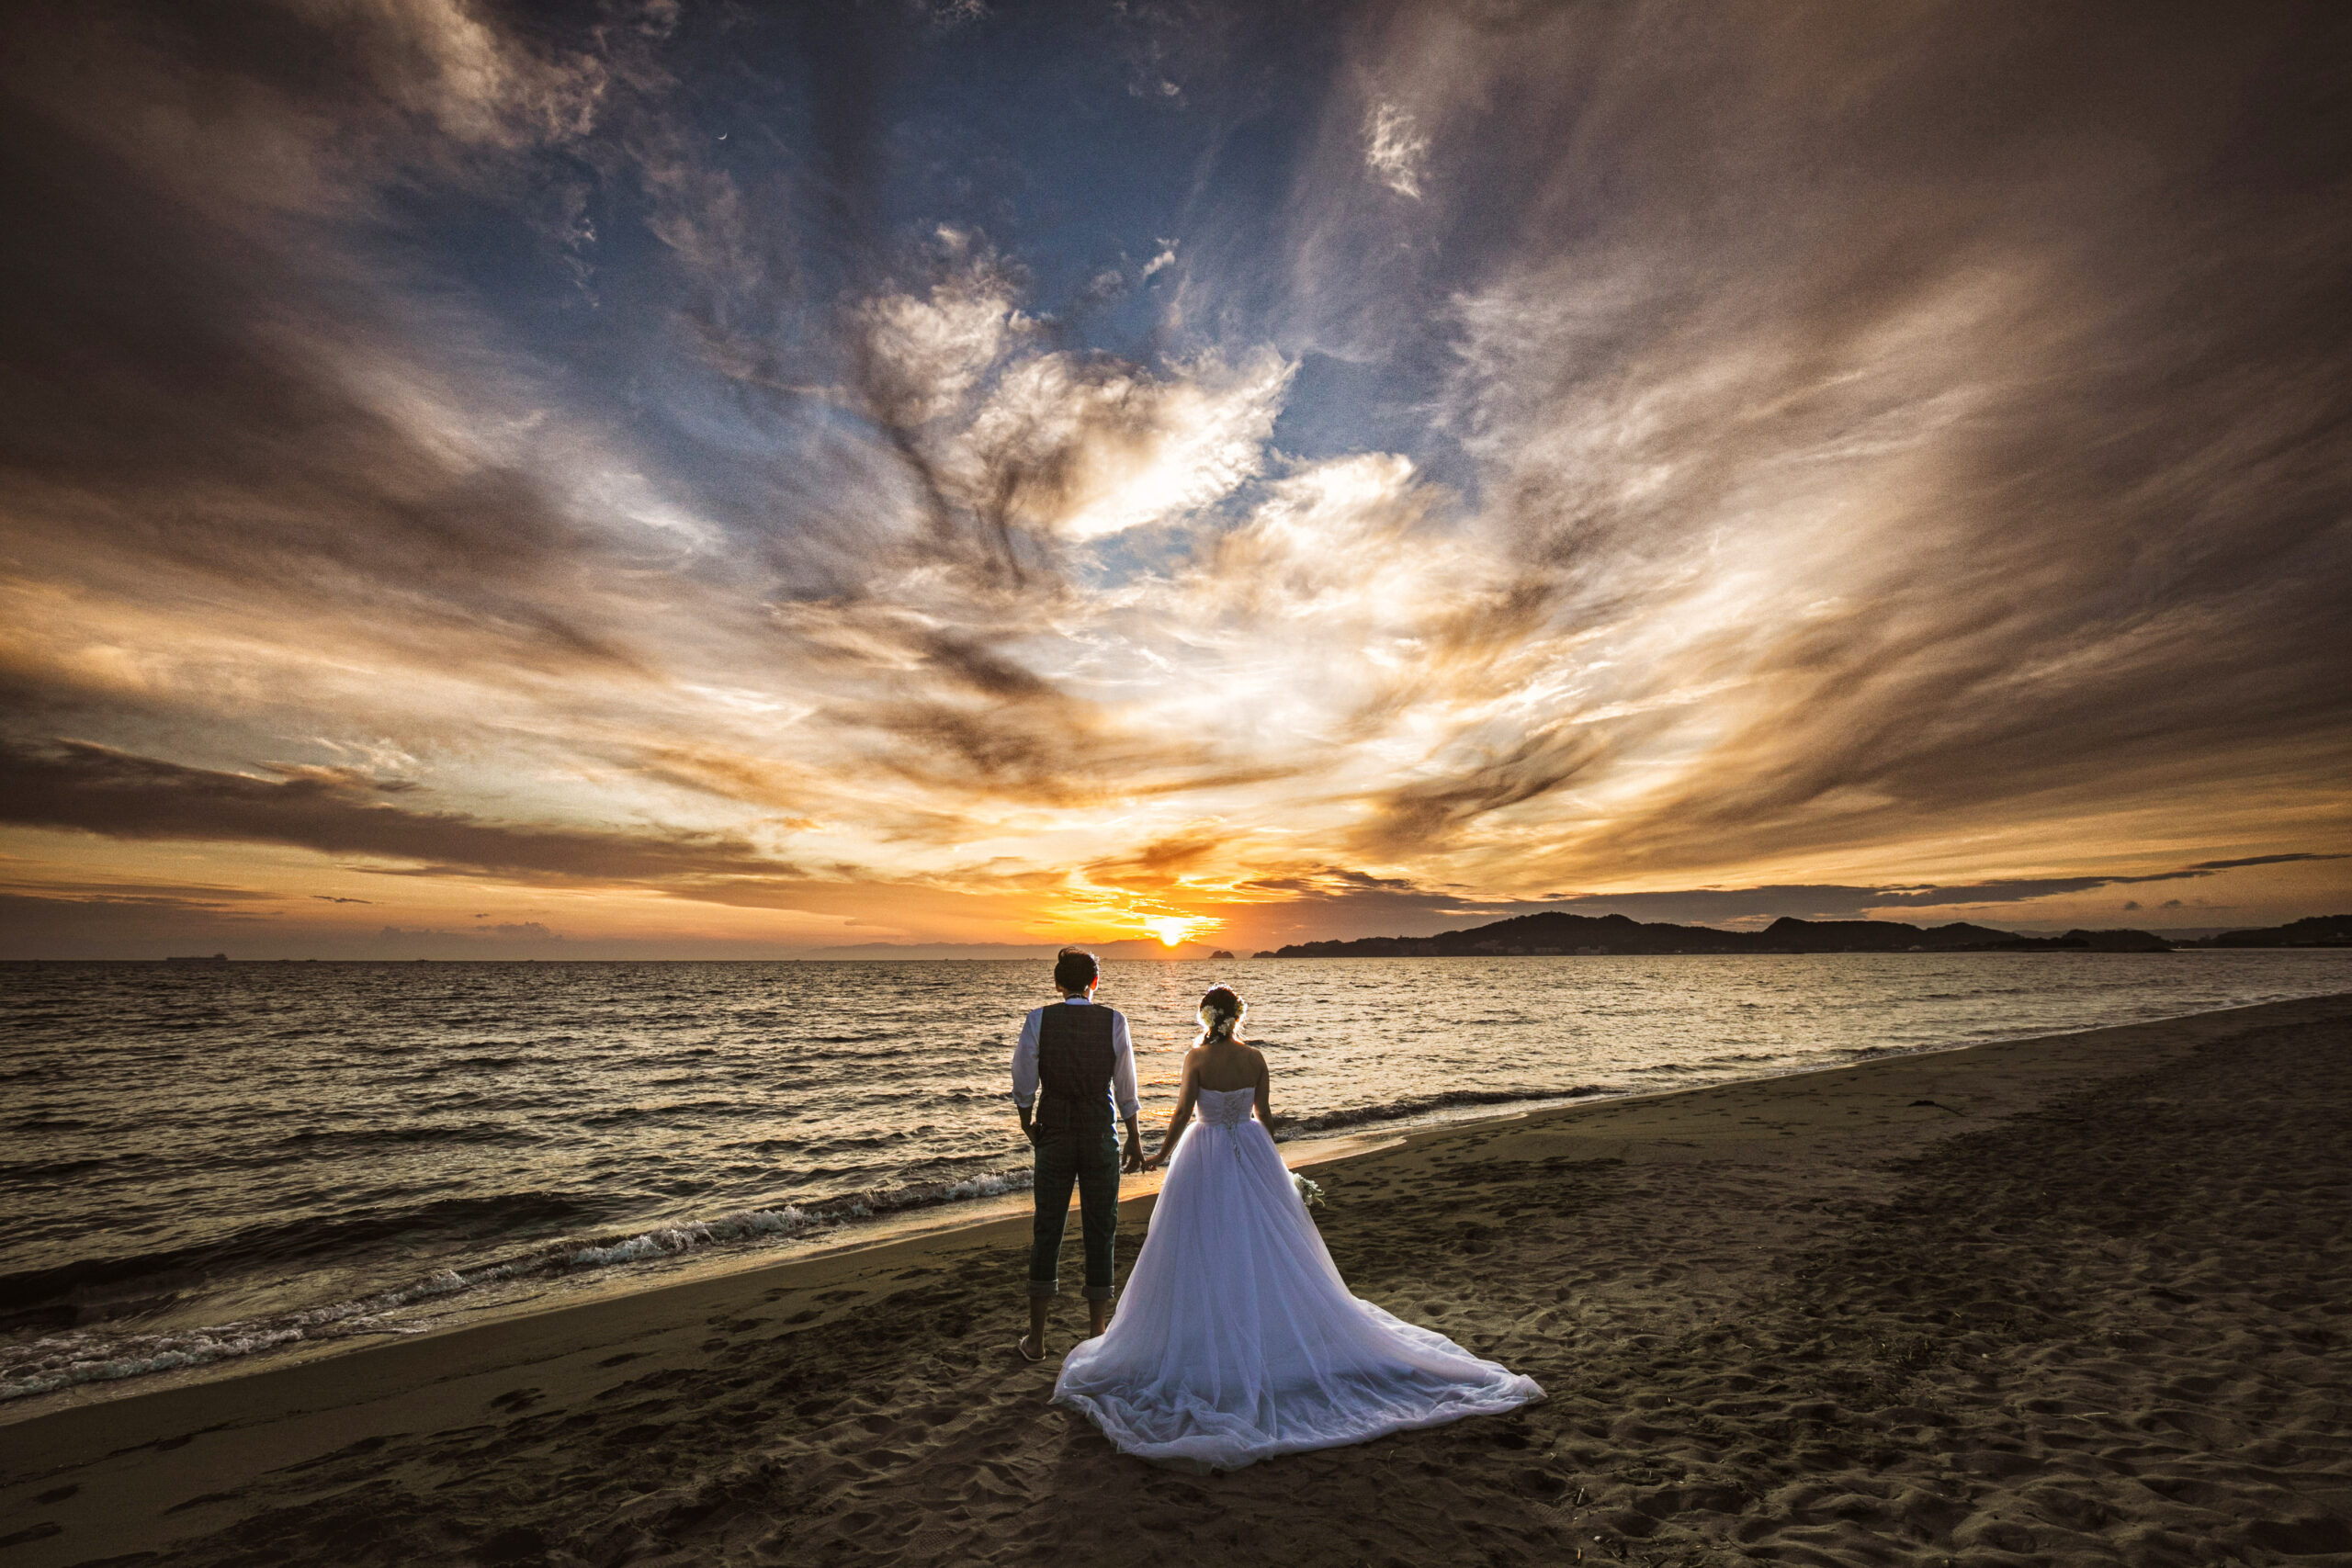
(1074, 1065)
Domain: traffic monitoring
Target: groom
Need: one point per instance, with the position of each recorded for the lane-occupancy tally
(1073, 1060)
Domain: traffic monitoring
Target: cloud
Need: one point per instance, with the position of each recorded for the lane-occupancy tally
(1394, 149)
(1843, 440)
(283, 466)
(1080, 450)
(478, 85)
(173, 895)
(531, 930)
(1024, 443)
(92, 789)
(2211, 865)
(2041, 887)
(1411, 816)
(927, 353)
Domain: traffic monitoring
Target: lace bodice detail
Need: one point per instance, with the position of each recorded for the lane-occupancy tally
(1225, 1107)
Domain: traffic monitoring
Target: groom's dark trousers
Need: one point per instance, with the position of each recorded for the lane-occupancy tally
(1075, 1144)
(1088, 1157)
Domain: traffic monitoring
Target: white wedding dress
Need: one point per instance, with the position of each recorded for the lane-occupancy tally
(1235, 1339)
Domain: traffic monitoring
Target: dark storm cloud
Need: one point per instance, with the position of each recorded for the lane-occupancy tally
(92, 789)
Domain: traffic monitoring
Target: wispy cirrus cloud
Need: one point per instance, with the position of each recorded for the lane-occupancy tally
(1394, 149)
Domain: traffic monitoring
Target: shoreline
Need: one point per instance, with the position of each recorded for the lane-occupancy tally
(842, 1226)
(1667, 1205)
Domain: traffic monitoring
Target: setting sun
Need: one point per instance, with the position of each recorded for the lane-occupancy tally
(1173, 930)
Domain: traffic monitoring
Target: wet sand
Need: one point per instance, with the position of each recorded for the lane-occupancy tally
(2074, 1299)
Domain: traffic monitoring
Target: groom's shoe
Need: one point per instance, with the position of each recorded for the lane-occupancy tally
(1021, 1348)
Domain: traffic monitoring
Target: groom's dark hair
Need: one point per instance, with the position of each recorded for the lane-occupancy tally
(1075, 969)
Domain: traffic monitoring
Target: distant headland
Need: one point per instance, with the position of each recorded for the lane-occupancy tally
(1554, 932)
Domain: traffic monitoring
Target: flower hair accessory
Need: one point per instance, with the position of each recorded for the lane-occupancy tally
(1221, 1012)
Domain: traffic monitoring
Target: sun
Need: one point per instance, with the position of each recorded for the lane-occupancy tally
(1173, 930)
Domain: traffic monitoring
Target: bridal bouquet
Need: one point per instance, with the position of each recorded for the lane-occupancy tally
(1309, 1193)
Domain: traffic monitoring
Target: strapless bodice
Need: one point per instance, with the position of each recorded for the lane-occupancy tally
(1225, 1107)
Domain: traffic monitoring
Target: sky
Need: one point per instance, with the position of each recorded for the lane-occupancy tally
(672, 480)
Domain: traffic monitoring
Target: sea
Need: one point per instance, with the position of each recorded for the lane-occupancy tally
(209, 1163)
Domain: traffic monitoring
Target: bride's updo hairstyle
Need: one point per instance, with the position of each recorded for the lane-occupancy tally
(1221, 1014)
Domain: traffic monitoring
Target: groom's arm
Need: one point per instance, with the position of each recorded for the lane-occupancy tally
(1025, 1074)
(1123, 1089)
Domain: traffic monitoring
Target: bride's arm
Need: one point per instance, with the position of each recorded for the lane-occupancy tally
(1175, 1122)
(1265, 1087)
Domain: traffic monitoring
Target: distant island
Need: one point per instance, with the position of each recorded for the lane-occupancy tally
(2319, 931)
(1554, 932)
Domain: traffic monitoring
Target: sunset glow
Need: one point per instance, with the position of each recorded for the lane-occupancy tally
(1173, 931)
(592, 489)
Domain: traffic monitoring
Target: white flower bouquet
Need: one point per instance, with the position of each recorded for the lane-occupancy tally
(1309, 1193)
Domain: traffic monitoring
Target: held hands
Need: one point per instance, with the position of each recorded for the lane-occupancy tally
(1133, 1162)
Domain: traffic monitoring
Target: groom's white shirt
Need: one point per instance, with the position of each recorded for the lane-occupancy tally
(1123, 1059)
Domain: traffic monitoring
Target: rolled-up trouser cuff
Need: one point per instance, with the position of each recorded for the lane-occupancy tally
(1099, 1293)
(1044, 1288)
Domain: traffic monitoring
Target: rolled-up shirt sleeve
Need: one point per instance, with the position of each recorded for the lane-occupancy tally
(1024, 1061)
(1123, 1068)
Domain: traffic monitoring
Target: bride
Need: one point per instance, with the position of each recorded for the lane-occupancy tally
(1236, 1338)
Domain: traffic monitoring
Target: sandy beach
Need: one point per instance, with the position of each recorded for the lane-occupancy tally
(2079, 1298)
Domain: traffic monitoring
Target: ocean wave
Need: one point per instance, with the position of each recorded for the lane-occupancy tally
(66, 1360)
(427, 1132)
(670, 1239)
(33, 1293)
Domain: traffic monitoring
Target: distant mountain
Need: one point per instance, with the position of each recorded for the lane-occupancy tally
(1554, 931)
(2319, 931)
